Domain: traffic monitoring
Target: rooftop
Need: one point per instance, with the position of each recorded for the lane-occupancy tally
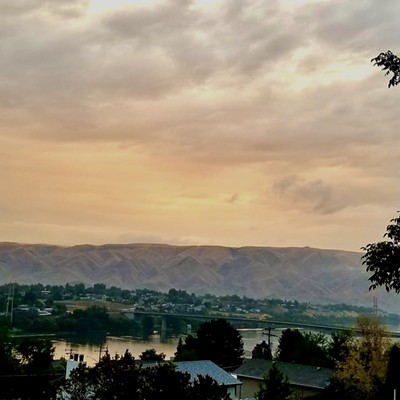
(206, 367)
(297, 374)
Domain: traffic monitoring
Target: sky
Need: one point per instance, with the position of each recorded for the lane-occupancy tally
(198, 122)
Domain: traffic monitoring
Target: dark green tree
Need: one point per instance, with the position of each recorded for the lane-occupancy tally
(164, 382)
(382, 259)
(204, 387)
(187, 351)
(309, 348)
(179, 296)
(36, 354)
(220, 342)
(391, 64)
(289, 347)
(99, 288)
(79, 385)
(392, 381)
(338, 348)
(315, 349)
(116, 379)
(275, 386)
(152, 355)
(262, 350)
(217, 340)
(9, 364)
(120, 379)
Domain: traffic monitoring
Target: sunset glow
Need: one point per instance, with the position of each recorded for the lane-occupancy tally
(198, 122)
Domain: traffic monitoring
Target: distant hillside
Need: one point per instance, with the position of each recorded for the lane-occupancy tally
(303, 274)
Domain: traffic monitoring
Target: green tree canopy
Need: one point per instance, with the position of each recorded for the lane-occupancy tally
(36, 354)
(338, 346)
(382, 259)
(116, 379)
(275, 386)
(216, 340)
(309, 348)
(152, 355)
(262, 350)
(392, 381)
(9, 364)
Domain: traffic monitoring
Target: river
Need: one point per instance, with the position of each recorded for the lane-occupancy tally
(92, 347)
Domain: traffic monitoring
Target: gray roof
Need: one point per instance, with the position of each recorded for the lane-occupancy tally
(206, 367)
(297, 374)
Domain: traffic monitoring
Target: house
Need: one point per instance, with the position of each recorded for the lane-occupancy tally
(207, 367)
(193, 368)
(73, 362)
(305, 380)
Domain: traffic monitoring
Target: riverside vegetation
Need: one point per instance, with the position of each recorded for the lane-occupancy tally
(79, 309)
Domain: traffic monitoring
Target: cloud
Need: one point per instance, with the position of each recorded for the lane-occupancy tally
(159, 115)
(315, 196)
(359, 27)
(233, 199)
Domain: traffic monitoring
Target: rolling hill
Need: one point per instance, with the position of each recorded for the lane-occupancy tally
(305, 274)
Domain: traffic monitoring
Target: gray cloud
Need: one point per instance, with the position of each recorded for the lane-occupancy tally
(315, 196)
(255, 87)
(62, 8)
(362, 26)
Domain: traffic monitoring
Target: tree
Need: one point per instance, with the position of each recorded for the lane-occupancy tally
(99, 288)
(392, 374)
(220, 342)
(289, 347)
(314, 350)
(262, 350)
(217, 340)
(152, 355)
(205, 387)
(187, 351)
(391, 64)
(165, 382)
(78, 386)
(338, 345)
(382, 259)
(119, 378)
(275, 386)
(116, 379)
(361, 374)
(36, 354)
(8, 362)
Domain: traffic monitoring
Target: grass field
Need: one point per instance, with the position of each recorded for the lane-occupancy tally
(83, 304)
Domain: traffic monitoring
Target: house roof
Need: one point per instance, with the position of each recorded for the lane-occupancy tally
(207, 367)
(297, 374)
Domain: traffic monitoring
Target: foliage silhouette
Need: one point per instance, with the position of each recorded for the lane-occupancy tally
(382, 259)
(391, 64)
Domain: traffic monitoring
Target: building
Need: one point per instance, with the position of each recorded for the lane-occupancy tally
(305, 380)
(207, 367)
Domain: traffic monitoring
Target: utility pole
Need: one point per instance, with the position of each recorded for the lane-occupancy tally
(70, 352)
(101, 351)
(10, 302)
(269, 335)
(376, 304)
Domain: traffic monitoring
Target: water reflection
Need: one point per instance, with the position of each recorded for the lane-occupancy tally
(94, 349)
(94, 346)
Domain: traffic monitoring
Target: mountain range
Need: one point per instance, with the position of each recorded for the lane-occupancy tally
(317, 276)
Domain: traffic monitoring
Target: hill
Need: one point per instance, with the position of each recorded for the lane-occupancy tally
(305, 274)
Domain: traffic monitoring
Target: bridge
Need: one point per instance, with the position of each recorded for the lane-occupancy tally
(267, 324)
